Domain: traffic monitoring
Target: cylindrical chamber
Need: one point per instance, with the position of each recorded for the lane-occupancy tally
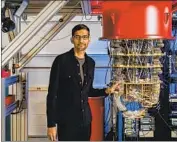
(137, 19)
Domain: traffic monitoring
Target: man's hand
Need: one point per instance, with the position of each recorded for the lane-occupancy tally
(52, 133)
(111, 89)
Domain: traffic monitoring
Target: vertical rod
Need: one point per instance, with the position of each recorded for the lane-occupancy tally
(16, 114)
(120, 126)
(13, 117)
(2, 138)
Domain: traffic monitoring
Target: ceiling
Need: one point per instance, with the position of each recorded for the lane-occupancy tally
(35, 6)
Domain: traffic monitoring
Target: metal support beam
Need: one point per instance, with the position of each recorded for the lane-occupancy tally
(46, 39)
(86, 7)
(23, 38)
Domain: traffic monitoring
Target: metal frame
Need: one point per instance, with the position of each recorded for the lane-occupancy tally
(10, 108)
(46, 39)
(5, 83)
(21, 40)
(11, 80)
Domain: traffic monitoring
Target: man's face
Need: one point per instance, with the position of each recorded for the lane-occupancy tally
(81, 40)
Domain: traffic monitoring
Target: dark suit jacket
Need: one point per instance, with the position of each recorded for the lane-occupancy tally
(67, 99)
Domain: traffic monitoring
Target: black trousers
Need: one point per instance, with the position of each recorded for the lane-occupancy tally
(74, 133)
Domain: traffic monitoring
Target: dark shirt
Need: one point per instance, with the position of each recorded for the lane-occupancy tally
(81, 62)
(67, 99)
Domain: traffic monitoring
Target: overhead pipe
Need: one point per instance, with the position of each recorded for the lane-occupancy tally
(22, 8)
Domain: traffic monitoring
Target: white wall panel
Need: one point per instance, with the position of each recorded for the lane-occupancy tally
(37, 131)
(38, 78)
(37, 97)
(38, 120)
(37, 108)
(37, 113)
(41, 61)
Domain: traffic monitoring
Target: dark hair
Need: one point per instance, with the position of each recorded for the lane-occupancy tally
(80, 27)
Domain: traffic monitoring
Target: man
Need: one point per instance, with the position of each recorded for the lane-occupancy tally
(70, 85)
